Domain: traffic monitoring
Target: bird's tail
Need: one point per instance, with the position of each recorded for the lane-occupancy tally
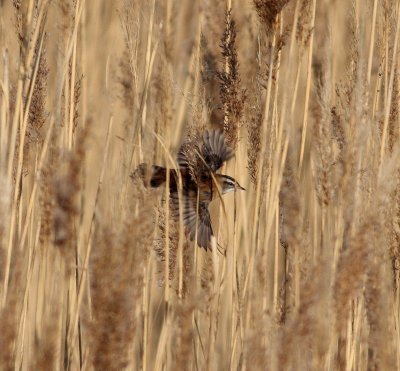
(154, 175)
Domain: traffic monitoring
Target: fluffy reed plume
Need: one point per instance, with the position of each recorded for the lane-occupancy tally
(268, 11)
(210, 38)
(395, 232)
(9, 328)
(379, 277)
(9, 315)
(352, 270)
(256, 352)
(47, 196)
(4, 207)
(184, 332)
(292, 233)
(37, 109)
(45, 350)
(394, 118)
(169, 229)
(381, 323)
(304, 339)
(171, 240)
(188, 295)
(326, 129)
(161, 99)
(231, 93)
(254, 126)
(19, 22)
(128, 74)
(304, 27)
(209, 68)
(113, 322)
(66, 188)
(119, 258)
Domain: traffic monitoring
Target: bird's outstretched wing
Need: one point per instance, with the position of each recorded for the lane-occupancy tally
(215, 149)
(207, 156)
(191, 218)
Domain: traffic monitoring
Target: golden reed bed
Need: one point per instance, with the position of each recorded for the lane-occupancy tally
(96, 274)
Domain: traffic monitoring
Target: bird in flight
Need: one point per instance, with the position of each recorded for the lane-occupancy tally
(198, 165)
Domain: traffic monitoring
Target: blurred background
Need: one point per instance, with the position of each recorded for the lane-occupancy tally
(96, 275)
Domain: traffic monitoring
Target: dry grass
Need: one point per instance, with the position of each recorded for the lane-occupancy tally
(95, 274)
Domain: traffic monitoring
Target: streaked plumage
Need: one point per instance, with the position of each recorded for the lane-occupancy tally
(200, 183)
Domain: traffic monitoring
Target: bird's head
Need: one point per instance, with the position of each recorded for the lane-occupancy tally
(228, 184)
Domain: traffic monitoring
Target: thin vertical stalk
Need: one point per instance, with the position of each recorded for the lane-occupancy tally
(308, 88)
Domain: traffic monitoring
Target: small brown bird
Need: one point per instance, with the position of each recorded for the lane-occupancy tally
(200, 182)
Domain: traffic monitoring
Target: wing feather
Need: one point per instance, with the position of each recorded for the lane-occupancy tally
(214, 152)
(215, 149)
(190, 218)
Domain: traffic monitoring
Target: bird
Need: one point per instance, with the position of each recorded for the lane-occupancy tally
(200, 183)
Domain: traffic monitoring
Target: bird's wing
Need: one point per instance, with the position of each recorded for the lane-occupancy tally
(214, 152)
(190, 218)
(215, 149)
(182, 157)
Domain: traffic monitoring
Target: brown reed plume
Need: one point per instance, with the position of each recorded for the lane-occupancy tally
(66, 188)
(268, 11)
(9, 314)
(115, 324)
(254, 126)
(232, 95)
(37, 109)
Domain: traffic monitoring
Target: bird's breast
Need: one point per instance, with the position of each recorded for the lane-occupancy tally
(207, 190)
